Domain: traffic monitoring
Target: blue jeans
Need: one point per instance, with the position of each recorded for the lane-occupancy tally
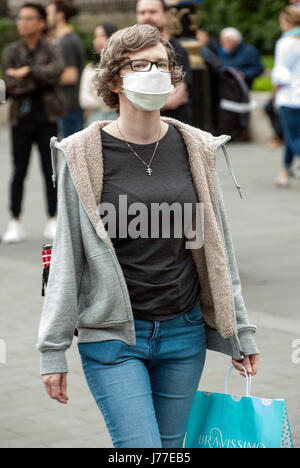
(290, 121)
(71, 123)
(145, 392)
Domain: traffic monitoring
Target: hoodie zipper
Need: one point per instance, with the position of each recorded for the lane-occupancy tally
(54, 147)
(238, 187)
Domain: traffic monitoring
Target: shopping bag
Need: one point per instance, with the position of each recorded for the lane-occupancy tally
(221, 420)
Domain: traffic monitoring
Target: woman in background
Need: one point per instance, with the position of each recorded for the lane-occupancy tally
(286, 78)
(93, 105)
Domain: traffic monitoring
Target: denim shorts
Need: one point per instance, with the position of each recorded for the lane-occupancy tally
(145, 392)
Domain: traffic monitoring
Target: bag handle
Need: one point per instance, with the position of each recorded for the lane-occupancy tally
(248, 380)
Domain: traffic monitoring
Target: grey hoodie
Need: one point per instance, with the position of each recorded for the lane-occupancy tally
(87, 289)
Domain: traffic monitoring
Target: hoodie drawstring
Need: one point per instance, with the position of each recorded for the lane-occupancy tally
(53, 140)
(231, 171)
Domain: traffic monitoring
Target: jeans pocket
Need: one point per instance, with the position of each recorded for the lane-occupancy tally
(193, 316)
(102, 353)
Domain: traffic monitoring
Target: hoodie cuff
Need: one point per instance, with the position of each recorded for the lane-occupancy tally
(53, 362)
(248, 343)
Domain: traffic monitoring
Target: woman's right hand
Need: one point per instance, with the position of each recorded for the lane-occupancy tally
(56, 387)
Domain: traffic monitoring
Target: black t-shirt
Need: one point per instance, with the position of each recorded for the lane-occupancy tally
(74, 56)
(160, 272)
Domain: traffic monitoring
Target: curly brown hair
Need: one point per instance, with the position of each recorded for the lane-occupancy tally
(120, 44)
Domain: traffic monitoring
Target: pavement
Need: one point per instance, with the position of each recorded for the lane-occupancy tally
(266, 231)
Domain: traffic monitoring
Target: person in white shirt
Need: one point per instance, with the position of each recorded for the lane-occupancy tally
(93, 105)
(286, 78)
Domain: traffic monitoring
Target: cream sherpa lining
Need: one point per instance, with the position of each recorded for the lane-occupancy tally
(85, 162)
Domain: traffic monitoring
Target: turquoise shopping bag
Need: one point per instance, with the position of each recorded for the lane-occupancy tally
(220, 420)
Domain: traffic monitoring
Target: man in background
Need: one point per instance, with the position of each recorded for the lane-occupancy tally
(155, 13)
(236, 53)
(59, 12)
(32, 68)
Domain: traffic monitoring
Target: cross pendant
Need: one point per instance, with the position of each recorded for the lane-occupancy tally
(149, 171)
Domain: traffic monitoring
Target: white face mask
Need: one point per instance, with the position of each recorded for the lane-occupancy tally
(148, 91)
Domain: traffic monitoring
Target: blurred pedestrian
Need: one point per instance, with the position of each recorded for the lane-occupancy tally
(273, 114)
(141, 302)
(236, 53)
(209, 53)
(59, 12)
(32, 68)
(286, 78)
(235, 106)
(156, 13)
(207, 40)
(90, 102)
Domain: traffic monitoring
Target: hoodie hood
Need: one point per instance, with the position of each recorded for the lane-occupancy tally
(92, 135)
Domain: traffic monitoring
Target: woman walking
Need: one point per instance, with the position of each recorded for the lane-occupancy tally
(286, 78)
(145, 307)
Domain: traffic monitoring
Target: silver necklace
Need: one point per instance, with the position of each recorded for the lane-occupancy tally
(148, 170)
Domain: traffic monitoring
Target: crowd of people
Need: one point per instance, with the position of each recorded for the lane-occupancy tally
(52, 93)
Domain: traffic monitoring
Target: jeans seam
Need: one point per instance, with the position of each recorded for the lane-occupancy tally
(157, 343)
(189, 322)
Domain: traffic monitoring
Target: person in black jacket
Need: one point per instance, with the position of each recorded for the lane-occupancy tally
(155, 13)
(32, 68)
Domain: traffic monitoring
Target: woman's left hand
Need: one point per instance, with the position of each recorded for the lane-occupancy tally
(250, 363)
